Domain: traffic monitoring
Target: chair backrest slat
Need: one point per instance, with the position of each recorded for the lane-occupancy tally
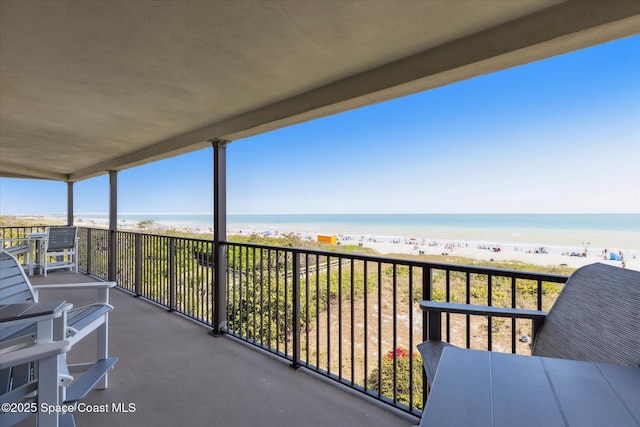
(595, 318)
(14, 285)
(61, 238)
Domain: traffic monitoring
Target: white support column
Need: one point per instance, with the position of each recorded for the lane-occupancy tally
(219, 235)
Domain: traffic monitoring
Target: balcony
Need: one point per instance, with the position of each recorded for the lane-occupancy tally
(177, 374)
(349, 322)
(341, 318)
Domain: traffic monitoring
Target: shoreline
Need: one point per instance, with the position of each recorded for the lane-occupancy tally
(505, 253)
(527, 252)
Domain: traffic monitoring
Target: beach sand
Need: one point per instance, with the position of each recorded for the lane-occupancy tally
(524, 252)
(507, 253)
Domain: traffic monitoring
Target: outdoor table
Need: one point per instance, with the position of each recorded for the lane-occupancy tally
(38, 238)
(34, 311)
(481, 388)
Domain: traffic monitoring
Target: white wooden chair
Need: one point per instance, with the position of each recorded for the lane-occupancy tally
(60, 249)
(73, 325)
(18, 246)
(42, 387)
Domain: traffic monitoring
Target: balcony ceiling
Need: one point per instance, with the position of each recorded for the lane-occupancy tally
(92, 86)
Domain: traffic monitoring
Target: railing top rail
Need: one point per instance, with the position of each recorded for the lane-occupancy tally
(547, 277)
(205, 240)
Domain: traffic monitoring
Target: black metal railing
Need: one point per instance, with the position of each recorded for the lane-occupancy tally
(355, 318)
(162, 269)
(352, 318)
(18, 236)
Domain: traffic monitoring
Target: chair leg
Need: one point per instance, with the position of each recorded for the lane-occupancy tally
(30, 259)
(48, 391)
(21, 375)
(103, 349)
(5, 380)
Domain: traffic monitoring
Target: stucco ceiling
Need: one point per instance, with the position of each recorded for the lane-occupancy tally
(91, 86)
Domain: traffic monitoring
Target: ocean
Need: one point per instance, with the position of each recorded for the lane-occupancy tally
(595, 231)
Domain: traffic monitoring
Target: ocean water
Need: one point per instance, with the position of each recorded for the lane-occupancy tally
(595, 231)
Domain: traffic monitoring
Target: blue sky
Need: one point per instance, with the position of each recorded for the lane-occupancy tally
(556, 136)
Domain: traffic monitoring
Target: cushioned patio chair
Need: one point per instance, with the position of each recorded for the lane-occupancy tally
(73, 326)
(61, 244)
(595, 318)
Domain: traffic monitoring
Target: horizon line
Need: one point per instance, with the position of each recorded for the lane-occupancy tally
(326, 213)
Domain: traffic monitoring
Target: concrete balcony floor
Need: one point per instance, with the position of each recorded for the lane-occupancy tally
(178, 375)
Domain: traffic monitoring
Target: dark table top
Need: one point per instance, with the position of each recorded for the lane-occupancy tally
(481, 388)
(11, 312)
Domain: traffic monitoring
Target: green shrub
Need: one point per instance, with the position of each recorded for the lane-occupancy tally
(407, 377)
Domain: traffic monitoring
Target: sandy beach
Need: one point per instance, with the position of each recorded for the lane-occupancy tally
(507, 253)
(523, 252)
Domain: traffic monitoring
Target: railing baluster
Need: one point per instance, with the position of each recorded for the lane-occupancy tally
(340, 321)
(379, 285)
(317, 314)
(352, 298)
(307, 295)
(365, 304)
(296, 309)
(489, 303)
(277, 302)
(269, 309)
(513, 320)
(90, 247)
(539, 294)
(138, 264)
(172, 274)
(410, 349)
(253, 289)
(395, 331)
(328, 315)
(285, 305)
(468, 301)
(448, 299)
(244, 274)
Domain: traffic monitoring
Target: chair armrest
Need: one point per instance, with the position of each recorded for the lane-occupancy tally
(481, 310)
(434, 309)
(32, 313)
(74, 286)
(22, 243)
(30, 320)
(14, 239)
(34, 352)
(101, 287)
